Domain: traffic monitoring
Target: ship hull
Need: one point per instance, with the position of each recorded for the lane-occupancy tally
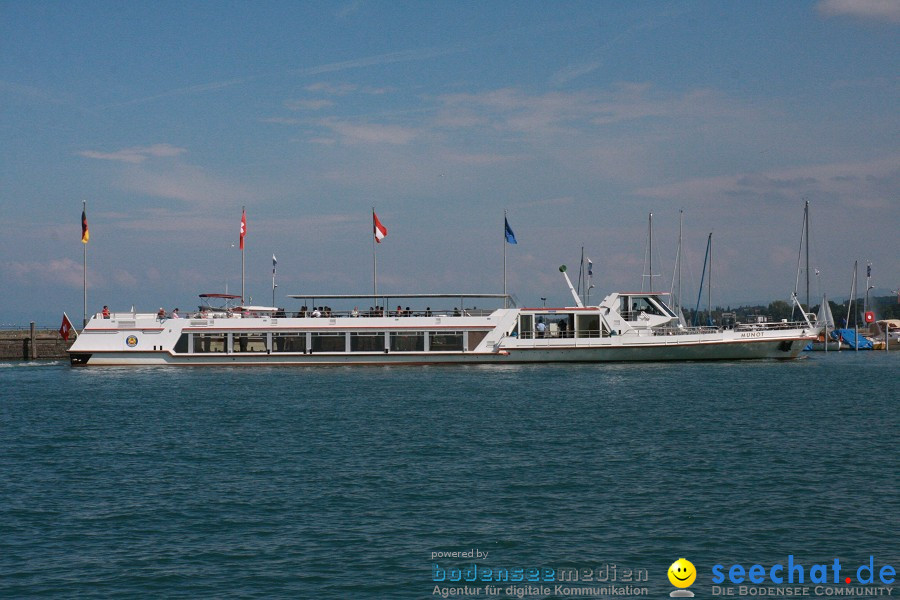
(778, 349)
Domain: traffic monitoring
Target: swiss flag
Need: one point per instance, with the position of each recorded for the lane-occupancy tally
(66, 327)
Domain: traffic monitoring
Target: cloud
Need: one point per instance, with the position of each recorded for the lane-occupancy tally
(574, 72)
(348, 9)
(379, 59)
(478, 159)
(124, 278)
(193, 89)
(63, 271)
(334, 89)
(418, 54)
(866, 184)
(135, 155)
(172, 180)
(307, 104)
(187, 183)
(283, 121)
(870, 82)
(876, 10)
(618, 134)
(514, 111)
(370, 133)
(343, 89)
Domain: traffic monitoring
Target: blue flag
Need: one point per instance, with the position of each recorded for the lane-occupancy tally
(510, 236)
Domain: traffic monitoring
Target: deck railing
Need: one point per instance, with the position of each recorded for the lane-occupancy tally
(548, 335)
(768, 326)
(325, 314)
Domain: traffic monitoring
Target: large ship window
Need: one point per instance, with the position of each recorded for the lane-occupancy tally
(289, 342)
(408, 342)
(367, 342)
(550, 325)
(526, 327)
(181, 346)
(209, 342)
(329, 342)
(633, 306)
(588, 326)
(249, 342)
(662, 307)
(446, 341)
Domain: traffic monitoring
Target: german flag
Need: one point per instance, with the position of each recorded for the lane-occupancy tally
(85, 232)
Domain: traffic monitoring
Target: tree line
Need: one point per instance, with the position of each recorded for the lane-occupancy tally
(884, 307)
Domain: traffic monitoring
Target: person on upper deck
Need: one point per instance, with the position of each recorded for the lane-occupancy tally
(161, 314)
(175, 314)
(105, 312)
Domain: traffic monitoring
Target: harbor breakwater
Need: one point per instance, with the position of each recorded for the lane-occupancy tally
(36, 344)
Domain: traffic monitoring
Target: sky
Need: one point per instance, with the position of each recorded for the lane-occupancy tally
(578, 119)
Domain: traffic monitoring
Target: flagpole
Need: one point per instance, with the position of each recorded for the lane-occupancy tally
(84, 268)
(273, 280)
(505, 297)
(374, 265)
(243, 212)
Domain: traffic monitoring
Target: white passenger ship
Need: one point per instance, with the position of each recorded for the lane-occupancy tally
(623, 327)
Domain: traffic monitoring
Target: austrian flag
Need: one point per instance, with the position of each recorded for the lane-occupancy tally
(380, 230)
(243, 227)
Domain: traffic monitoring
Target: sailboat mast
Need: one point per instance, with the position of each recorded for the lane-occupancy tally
(680, 223)
(581, 274)
(696, 321)
(650, 252)
(674, 292)
(806, 228)
(709, 286)
(856, 310)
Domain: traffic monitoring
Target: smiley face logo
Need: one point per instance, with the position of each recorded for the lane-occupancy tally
(682, 573)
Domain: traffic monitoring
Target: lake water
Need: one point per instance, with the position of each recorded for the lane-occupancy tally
(343, 482)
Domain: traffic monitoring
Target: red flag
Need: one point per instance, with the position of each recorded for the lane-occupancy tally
(243, 227)
(380, 230)
(66, 327)
(85, 233)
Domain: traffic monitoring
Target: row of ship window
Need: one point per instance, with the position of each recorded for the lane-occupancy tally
(340, 341)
